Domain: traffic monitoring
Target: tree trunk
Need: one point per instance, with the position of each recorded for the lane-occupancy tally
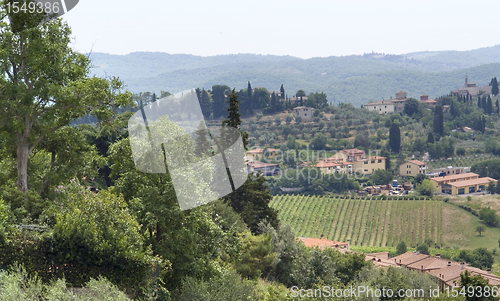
(23, 151)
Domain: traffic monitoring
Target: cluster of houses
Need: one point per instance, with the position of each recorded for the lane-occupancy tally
(445, 271)
(350, 161)
(449, 180)
(397, 104)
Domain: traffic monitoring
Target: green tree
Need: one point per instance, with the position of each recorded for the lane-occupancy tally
(491, 187)
(290, 142)
(488, 216)
(480, 229)
(395, 137)
(234, 116)
(426, 188)
(318, 142)
(381, 177)
(401, 248)
(41, 93)
(423, 248)
(256, 255)
(300, 93)
(438, 124)
(494, 86)
(97, 235)
(385, 153)
(411, 106)
(251, 200)
(475, 284)
(430, 138)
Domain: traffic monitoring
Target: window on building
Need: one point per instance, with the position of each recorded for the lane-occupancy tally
(379, 161)
(366, 162)
(373, 161)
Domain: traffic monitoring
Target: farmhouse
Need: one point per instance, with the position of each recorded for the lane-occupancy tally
(467, 186)
(259, 152)
(267, 169)
(440, 181)
(470, 89)
(305, 113)
(351, 160)
(412, 168)
(398, 104)
(445, 272)
(429, 103)
(382, 107)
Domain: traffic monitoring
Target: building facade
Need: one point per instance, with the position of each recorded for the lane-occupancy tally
(412, 168)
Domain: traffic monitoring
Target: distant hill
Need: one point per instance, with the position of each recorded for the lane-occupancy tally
(356, 79)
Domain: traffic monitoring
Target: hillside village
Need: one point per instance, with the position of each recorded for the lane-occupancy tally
(379, 170)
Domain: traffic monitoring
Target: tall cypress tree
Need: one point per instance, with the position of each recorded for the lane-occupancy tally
(438, 124)
(489, 106)
(249, 91)
(234, 116)
(483, 103)
(497, 106)
(430, 138)
(282, 90)
(395, 136)
(251, 200)
(479, 101)
(494, 86)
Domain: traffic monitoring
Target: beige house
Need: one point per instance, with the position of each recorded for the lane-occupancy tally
(351, 160)
(467, 186)
(440, 181)
(471, 89)
(382, 107)
(259, 153)
(429, 103)
(369, 165)
(412, 168)
(305, 113)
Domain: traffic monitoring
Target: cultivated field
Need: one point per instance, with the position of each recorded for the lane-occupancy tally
(364, 221)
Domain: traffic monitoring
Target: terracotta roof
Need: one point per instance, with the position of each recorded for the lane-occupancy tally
(428, 101)
(381, 255)
(465, 183)
(260, 150)
(258, 164)
(322, 243)
(380, 262)
(353, 151)
(416, 162)
(456, 177)
(409, 258)
(323, 164)
(431, 263)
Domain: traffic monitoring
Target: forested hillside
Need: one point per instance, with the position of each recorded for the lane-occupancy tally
(355, 79)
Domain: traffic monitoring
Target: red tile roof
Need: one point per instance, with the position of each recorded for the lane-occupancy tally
(409, 258)
(456, 177)
(417, 162)
(323, 164)
(479, 181)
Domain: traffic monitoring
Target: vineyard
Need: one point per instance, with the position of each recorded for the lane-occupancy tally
(364, 221)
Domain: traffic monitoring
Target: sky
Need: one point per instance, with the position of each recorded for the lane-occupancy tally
(298, 28)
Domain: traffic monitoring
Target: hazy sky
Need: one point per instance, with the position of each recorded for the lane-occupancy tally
(298, 28)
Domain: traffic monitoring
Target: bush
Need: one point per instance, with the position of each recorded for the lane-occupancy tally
(19, 285)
